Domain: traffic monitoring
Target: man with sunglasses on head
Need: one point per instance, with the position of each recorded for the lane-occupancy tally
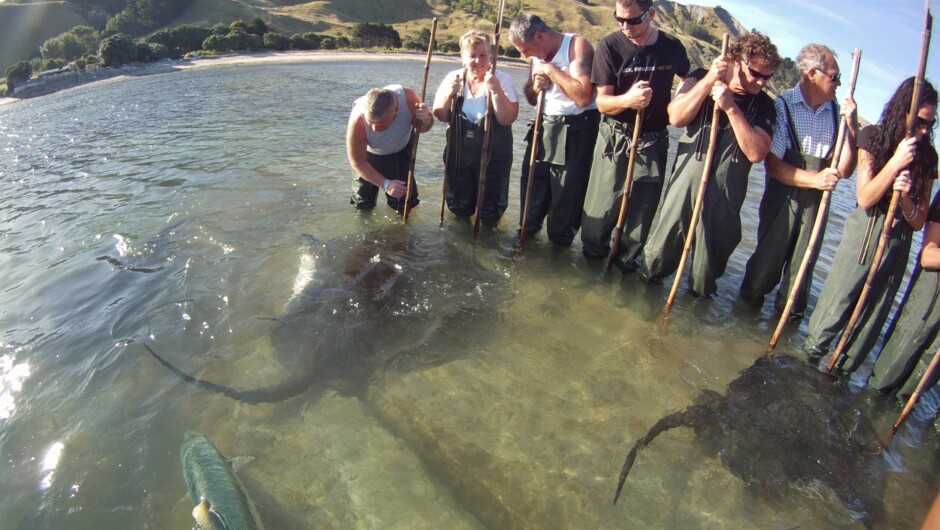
(561, 68)
(634, 69)
(745, 127)
(797, 172)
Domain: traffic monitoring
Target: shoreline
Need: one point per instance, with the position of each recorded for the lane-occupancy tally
(103, 75)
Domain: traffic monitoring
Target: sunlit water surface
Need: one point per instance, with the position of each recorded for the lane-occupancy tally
(170, 210)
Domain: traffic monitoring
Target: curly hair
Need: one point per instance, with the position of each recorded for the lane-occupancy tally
(892, 128)
(753, 45)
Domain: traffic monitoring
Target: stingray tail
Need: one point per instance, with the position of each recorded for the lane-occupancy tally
(195, 381)
(286, 390)
(677, 419)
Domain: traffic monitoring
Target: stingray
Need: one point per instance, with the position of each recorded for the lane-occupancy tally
(782, 425)
(381, 301)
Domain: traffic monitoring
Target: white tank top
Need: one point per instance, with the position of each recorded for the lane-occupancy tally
(395, 138)
(556, 102)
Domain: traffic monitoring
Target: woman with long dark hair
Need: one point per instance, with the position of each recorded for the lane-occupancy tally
(887, 162)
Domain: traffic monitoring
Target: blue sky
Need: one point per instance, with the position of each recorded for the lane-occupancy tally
(888, 33)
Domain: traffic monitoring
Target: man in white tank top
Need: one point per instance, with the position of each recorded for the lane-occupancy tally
(378, 144)
(561, 67)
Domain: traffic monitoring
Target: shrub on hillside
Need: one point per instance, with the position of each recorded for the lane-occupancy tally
(276, 41)
(71, 45)
(149, 52)
(18, 73)
(180, 40)
(117, 49)
(305, 41)
(369, 35)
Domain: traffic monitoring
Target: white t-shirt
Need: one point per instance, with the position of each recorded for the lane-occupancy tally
(474, 107)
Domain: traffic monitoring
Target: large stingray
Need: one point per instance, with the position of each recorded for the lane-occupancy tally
(377, 301)
(784, 424)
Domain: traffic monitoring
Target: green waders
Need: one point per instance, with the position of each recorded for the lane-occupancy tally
(393, 167)
(562, 167)
(605, 191)
(719, 229)
(844, 285)
(914, 339)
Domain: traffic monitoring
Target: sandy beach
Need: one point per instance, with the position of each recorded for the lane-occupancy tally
(128, 71)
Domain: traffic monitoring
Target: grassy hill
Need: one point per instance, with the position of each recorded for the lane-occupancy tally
(24, 27)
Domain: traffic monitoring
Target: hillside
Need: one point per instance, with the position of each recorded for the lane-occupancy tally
(24, 27)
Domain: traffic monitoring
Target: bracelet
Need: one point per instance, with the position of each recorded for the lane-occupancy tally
(389, 181)
(912, 215)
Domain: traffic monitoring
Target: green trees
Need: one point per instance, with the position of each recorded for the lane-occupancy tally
(140, 16)
(70, 45)
(180, 40)
(305, 41)
(369, 35)
(276, 41)
(18, 73)
(117, 49)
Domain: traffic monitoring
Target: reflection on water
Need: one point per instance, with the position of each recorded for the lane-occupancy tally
(171, 210)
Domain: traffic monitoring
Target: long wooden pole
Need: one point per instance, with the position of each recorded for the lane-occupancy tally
(821, 215)
(627, 189)
(488, 125)
(895, 198)
(452, 144)
(414, 147)
(921, 386)
(700, 199)
(533, 156)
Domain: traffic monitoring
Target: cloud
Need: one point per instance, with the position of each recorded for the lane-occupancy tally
(831, 13)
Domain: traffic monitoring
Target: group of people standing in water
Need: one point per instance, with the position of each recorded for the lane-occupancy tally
(597, 103)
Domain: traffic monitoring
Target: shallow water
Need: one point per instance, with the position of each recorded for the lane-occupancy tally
(170, 210)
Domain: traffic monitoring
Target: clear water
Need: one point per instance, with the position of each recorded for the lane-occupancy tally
(169, 209)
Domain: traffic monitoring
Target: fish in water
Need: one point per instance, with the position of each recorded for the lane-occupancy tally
(783, 423)
(221, 502)
(374, 301)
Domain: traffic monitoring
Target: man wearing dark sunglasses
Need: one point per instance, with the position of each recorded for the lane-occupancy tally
(634, 69)
(735, 84)
(797, 173)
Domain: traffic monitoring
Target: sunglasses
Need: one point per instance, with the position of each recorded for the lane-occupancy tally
(755, 74)
(635, 21)
(926, 124)
(835, 78)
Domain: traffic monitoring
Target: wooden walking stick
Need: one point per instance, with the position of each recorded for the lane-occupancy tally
(928, 375)
(536, 139)
(488, 125)
(414, 147)
(700, 198)
(627, 189)
(821, 215)
(895, 198)
(453, 139)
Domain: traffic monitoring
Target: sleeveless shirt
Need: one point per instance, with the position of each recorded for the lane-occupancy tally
(395, 138)
(556, 102)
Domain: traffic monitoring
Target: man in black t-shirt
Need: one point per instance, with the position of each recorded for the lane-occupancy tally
(633, 69)
(746, 126)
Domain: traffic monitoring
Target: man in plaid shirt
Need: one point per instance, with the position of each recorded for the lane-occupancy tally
(798, 170)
